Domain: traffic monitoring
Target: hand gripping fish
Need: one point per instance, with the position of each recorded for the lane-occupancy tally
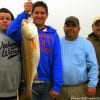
(30, 56)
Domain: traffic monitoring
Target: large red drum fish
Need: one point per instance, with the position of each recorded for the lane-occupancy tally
(30, 56)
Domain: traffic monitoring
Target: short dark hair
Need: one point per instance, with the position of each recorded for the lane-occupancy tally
(5, 10)
(38, 4)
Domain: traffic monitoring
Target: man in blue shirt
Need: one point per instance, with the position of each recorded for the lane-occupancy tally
(80, 68)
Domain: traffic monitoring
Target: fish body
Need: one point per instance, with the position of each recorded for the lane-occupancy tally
(30, 56)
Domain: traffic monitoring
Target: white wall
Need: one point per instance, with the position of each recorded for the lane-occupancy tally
(85, 10)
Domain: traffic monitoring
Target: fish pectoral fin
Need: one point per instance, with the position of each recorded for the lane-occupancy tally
(35, 75)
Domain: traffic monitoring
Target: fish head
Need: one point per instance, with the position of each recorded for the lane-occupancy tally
(29, 30)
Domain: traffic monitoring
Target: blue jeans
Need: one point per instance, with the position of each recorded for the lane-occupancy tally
(40, 91)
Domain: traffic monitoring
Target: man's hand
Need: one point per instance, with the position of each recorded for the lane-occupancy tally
(91, 91)
(54, 94)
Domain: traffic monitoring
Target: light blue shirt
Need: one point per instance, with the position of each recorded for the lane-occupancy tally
(79, 62)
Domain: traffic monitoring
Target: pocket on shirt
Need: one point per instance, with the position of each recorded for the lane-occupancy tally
(79, 59)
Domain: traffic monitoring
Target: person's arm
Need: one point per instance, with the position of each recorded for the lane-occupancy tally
(92, 70)
(14, 29)
(57, 69)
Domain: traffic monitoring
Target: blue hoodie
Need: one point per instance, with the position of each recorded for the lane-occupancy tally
(50, 65)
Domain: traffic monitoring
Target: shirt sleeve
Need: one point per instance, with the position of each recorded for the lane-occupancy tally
(92, 66)
(57, 66)
(14, 29)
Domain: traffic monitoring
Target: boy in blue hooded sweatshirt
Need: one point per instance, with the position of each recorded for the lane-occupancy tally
(49, 80)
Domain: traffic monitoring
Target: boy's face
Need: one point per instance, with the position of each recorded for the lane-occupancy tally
(5, 20)
(96, 28)
(39, 16)
(71, 31)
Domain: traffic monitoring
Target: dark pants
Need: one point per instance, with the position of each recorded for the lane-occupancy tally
(98, 89)
(8, 98)
(40, 91)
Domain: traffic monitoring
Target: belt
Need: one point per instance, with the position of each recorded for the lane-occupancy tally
(40, 81)
(82, 83)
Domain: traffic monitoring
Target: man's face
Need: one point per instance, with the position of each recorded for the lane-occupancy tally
(39, 16)
(5, 20)
(96, 28)
(71, 31)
